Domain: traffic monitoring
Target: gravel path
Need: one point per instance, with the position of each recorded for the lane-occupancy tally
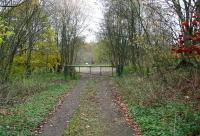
(57, 124)
(115, 124)
(113, 120)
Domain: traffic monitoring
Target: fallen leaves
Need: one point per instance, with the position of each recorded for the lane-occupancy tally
(123, 108)
(52, 112)
(4, 112)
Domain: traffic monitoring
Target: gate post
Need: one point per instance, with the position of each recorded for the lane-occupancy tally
(112, 70)
(119, 70)
(100, 71)
(66, 72)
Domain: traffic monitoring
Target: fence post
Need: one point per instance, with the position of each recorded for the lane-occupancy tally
(119, 69)
(112, 70)
(66, 72)
(100, 71)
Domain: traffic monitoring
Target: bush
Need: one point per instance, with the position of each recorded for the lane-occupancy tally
(131, 69)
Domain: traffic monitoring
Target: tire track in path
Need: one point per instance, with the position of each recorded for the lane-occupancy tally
(56, 125)
(112, 120)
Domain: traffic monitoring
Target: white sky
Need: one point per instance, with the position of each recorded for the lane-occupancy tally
(95, 17)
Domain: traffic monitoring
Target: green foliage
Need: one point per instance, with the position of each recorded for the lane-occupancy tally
(24, 118)
(45, 55)
(1, 41)
(166, 120)
(31, 43)
(5, 31)
(131, 69)
(157, 110)
(101, 53)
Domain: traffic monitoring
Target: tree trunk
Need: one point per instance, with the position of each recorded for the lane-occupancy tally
(28, 59)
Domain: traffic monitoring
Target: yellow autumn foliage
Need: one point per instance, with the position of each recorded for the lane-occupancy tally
(44, 55)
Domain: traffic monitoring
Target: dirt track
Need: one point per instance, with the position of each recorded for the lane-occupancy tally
(113, 120)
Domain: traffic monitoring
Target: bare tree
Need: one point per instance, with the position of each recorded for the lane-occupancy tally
(132, 28)
(68, 19)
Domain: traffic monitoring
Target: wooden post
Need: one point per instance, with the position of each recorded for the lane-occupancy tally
(79, 69)
(90, 70)
(66, 72)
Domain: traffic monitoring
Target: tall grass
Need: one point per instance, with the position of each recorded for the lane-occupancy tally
(166, 103)
(20, 89)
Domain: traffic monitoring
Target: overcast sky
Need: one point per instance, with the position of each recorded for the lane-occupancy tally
(95, 17)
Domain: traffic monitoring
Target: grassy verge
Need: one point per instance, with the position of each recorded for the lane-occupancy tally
(22, 119)
(158, 110)
(87, 119)
(19, 89)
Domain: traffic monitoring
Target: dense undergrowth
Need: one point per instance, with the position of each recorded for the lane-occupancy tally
(163, 103)
(35, 97)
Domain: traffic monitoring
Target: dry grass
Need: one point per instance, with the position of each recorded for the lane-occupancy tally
(165, 103)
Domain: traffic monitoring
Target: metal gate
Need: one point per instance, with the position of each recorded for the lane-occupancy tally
(101, 70)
